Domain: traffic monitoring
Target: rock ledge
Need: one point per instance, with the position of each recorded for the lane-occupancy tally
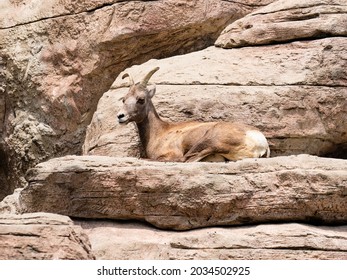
(184, 196)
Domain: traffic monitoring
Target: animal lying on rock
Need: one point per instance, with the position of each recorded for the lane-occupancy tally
(187, 141)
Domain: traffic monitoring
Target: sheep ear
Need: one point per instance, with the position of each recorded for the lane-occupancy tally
(151, 91)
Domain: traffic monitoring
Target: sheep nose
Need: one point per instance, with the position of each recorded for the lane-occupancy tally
(120, 116)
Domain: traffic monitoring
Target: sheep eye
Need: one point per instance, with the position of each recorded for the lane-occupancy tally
(141, 101)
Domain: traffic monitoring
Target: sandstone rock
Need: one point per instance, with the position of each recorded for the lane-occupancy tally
(300, 107)
(129, 241)
(29, 12)
(57, 59)
(284, 21)
(41, 236)
(10, 204)
(184, 196)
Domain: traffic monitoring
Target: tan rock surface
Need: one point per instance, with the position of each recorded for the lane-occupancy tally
(57, 59)
(300, 107)
(284, 21)
(14, 13)
(41, 236)
(10, 204)
(184, 196)
(272, 241)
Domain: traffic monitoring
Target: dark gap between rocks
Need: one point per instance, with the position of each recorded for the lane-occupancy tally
(340, 152)
(4, 186)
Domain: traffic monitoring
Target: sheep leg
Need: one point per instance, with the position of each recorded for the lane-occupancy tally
(202, 150)
(207, 147)
(197, 156)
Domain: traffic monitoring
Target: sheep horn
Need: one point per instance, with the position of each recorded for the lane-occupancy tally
(130, 78)
(148, 76)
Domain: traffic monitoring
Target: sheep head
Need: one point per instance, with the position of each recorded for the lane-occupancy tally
(137, 101)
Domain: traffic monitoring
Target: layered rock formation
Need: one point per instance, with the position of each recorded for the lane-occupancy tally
(300, 107)
(183, 196)
(57, 59)
(280, 241)
(284, 21)
(42, 236)
(285, 74)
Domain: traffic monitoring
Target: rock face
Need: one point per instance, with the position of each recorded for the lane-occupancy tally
(57, 59)
(184, 196)
(300, 107)
(42, 236)
(284, 21)
(280, 241)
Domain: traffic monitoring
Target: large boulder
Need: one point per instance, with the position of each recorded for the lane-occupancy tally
(184, 196)
(295, 93)
(284, 21)
(42, 236)
(132, 241)
(57, 59)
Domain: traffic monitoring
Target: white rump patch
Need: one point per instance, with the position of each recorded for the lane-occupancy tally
(259, 142)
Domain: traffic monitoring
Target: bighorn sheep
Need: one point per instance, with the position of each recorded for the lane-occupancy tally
(186, 141)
